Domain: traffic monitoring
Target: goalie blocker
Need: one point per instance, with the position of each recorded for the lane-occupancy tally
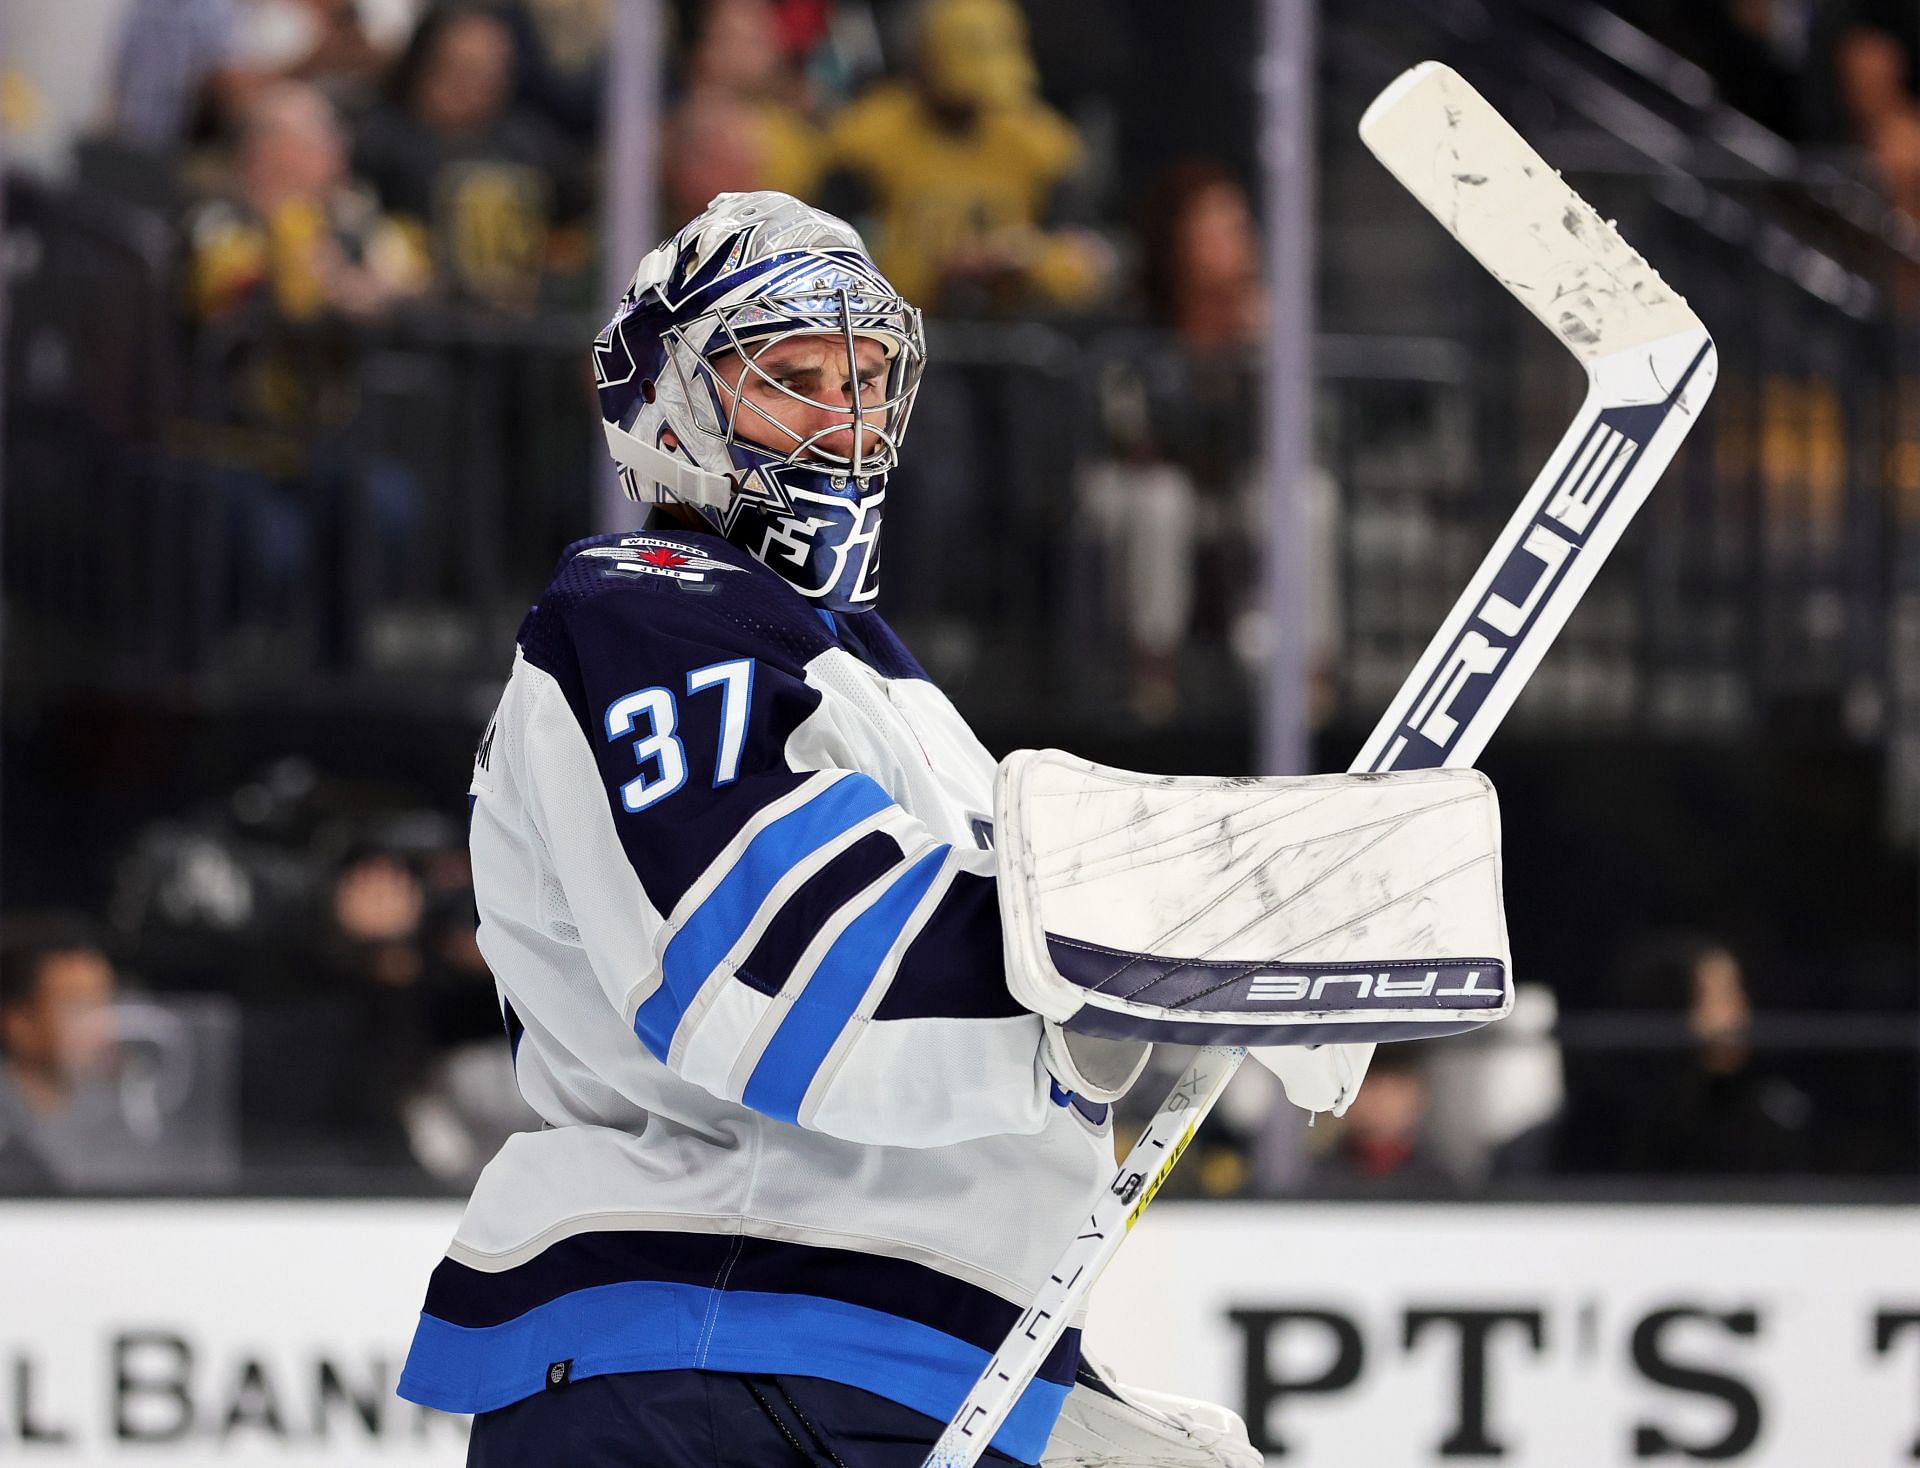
(1248, 912)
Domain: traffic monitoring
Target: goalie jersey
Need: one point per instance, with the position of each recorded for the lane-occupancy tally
(733, 863)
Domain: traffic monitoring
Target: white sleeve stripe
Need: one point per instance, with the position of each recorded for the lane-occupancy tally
(702, 887)
(821, 1012)
(709, 932)
(893, 821)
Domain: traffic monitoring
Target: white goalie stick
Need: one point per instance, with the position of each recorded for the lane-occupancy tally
(1650, 366)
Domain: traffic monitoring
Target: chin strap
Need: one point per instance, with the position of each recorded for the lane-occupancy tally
(684, 481)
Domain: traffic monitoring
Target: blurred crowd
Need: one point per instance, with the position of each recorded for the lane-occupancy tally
(330, 167)
(320, 169)
(334, 157)
(287, 994)
(349, 156)
(333, 171)
(1817, 73)
(284, 984)
(286, 979)
(1677, 1093)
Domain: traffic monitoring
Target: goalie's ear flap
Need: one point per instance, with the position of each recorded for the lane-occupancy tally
(1251, 911)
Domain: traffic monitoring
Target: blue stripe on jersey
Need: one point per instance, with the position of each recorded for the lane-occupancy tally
(798, 1048)
(653, 1326)
(477, 1298)
(718, 922)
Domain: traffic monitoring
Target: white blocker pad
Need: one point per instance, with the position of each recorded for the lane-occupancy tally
(1258, 912)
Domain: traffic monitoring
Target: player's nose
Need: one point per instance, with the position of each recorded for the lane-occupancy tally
(835, 437)
(840, 402)
(837, 412)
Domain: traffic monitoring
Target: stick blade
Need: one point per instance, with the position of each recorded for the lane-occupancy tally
(1461, 159)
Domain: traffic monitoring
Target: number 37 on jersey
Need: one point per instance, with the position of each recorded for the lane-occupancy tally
(654, 715)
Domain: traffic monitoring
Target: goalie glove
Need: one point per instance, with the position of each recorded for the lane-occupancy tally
(1303, 911)
(1106, 1425)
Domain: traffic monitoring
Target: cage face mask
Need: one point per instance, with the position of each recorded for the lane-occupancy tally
(754, 271)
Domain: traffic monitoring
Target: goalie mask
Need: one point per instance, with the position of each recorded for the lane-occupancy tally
(753, 271)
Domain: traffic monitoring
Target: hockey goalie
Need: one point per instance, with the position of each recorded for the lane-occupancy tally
(824, 1010)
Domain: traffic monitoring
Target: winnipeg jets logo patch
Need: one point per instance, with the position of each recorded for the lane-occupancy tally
(643, 555)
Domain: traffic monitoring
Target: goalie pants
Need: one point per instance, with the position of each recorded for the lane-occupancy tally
(704, 1419)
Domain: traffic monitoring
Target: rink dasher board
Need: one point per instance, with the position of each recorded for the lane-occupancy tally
(1807, 1317)
(271, 1333)
(216, 1333)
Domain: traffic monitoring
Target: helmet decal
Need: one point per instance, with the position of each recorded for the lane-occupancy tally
(612, 362)
(827, 545)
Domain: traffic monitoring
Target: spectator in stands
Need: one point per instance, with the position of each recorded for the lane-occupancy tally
(296, 233)
(378, 903)
(1200, 258)
(961, 164)
(1704, 1109)
(437, 1064)
(830, 48)
(1380, 1147)
(328, 1068)
(1878, 62)
(485, 181)
(561, 53)
(1180, 417)
(711, 147)
(467, 1101)
(295, 240)
(61, 1122)
(741, 124)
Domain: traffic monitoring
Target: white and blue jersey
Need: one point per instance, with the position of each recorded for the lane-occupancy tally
(733, 865)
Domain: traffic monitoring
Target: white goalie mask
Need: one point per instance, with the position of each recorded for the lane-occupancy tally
(754, 270)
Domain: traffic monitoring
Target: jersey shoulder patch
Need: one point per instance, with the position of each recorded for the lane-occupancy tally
(689, 568)
(686, 559)
(615, 596)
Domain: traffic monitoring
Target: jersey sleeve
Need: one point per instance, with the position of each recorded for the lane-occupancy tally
(804, 945)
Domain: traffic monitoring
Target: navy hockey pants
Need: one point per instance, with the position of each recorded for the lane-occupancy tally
(704, 1419)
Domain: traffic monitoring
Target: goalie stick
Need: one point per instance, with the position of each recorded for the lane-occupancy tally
(1650, 365)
